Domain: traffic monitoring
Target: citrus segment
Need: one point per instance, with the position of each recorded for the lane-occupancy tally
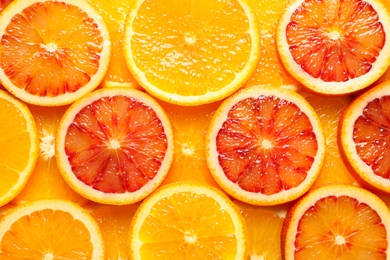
(183, 56)
(114, 145)
(50, 229)
(265, 146)
(52, 52)
(335, 47)
(46, 181)
(187, 220)
(337, 222)
(363, 137)
(4, 4)
(19, 146)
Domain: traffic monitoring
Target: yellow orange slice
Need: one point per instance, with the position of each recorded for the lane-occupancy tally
(337, 222)
(114, 145)
(335, 47)
(363, 137)
(187, 220)
(19, 146)
(50, 229)
(191, 52)
(265, 146)
(52, 52)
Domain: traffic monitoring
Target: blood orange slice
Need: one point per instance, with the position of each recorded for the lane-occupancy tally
(265, 146)
(337, 222)
(364, 137)
(114, 146)
(335, 47)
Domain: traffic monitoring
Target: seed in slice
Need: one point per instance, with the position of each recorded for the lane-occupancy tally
(52, 52)
(191, 52)
(337, 222)
(19, 146)
(335, 47)
(50, 229)
(265, 146)
(364, 137)
(114, 146)
(188, 220)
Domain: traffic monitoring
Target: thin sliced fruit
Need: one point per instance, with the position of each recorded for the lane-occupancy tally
(50, 229)
(4, 4)
(191, 52)
(364, 137)
(187, 220)
(337, 222)
(114, 146)
(52, 52)
(46, 181)
(265, 146)
(335, 47)
(19, 146)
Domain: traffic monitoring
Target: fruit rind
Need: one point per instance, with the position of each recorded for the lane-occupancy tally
(89, 192)
(220, 117)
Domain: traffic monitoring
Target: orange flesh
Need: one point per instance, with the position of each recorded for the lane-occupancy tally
(266, 145)
(372, 136)
(340, 228)
(46, 56)
(335, 40)
(116, 144)
(32, 235)
(4, 3)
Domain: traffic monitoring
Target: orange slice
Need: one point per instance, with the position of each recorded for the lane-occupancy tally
(50, 229)
(19, 146)
(4, 4)
(337, 222)
(335, 47)
(364, 138)
(114, 146)
(52, 52)
(191, 52)
(265, 146)
(187, 220)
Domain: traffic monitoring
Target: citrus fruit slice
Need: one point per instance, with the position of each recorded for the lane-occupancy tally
(52, 52)
(335, 47)
(363, 137)
(46, 181)
(265, 146)
(114, 146)
(4, 4)
(50, 229)
(191, 52)
(187, 220)
(337, 222)
(19, 146)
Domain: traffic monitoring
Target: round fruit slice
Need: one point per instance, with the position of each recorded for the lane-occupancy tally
(50, 229)
(187, 220)
(337, 222)
(191, 52)
(364, 137)
(335, 47)
(265, 146)
(114, 146)
(52, 52)
(19, 146)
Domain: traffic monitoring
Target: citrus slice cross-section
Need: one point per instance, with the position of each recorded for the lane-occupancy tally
(52, 52)
(191, 52)
(337, 222)
(364, 137)
(114, 146)
(188, 220)
(335, 47)
(19, 146)
(50, 229)
(265, 146)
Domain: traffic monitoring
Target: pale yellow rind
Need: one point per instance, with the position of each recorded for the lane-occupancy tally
(233, 189)
(17, 7)
(89, 192)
